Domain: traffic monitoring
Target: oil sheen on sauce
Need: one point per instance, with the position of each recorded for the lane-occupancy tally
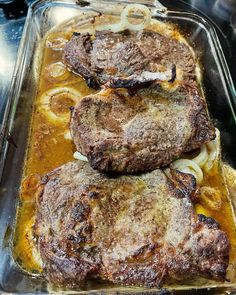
(50, 146)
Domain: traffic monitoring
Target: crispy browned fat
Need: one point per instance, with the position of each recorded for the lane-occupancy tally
(134, 230)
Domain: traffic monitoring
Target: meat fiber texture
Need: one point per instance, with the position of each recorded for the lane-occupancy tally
(128, 59)
(132, 230)
(124, 133)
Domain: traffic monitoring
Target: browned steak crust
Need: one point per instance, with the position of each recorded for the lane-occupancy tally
(133, 230)
(123, 133)
(121, 58)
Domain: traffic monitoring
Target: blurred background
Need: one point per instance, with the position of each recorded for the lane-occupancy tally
(222, 13)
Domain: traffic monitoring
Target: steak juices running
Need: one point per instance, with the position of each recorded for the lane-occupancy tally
(135, 229)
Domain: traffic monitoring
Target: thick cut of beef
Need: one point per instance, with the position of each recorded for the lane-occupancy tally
(134, 230)
(124, 133)
(127, 59)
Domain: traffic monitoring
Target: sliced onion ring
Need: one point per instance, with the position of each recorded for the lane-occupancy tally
(124, 19)
(56, 43)
(56, 71)
(202, 158)
(45, 101)
(124, 22)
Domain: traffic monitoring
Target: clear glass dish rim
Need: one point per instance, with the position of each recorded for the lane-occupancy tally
(18, 74)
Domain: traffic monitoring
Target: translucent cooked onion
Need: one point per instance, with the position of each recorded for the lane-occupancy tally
(213, 148)
(67, 135)
(207, 159)
(56, 42)
(124, 22)
(210, 198)
(189, 166)
(131, 8)
(202, 158)
(55, 103)
(56, 71)
(79, 156)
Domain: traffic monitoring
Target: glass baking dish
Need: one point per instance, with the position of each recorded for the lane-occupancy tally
(43, 16)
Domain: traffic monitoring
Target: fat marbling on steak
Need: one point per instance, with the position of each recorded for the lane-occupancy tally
(130, 133)
(133, 230)
(127, 59)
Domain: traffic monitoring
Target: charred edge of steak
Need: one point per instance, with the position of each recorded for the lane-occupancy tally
(184, 185)
(210, 222)
(92, 83)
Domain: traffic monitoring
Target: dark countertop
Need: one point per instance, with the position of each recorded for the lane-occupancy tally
(12, 18)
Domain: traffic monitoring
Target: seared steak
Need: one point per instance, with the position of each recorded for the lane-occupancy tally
(134, 230)
(127, 59)
(123, 133)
